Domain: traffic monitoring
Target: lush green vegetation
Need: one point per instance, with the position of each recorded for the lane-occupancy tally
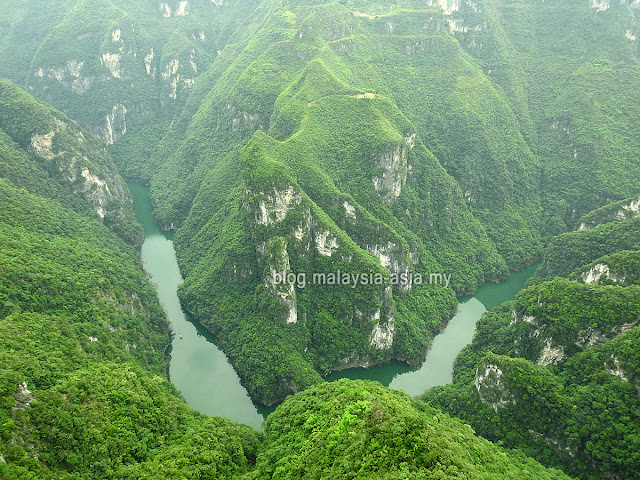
(264, 125)
(622, 268)
(366, 136)
(451, 139)
(574, 250)
(82, 393)
(83, 389)
(120, 71)
(554, 372)
(358, 429)
(418, 140)
(43, 151)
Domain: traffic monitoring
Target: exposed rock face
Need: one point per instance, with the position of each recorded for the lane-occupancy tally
(611, 213)
(179, 9)
(382, 333)
(84, 166)
(183, 9)
(326, 243)
(23, 397)
(551, 354)
(490, 386)
(615, 369)
(349, 210)
(601, 5)
(599, 271)
(41, 145)
(115, 124)
(148, 63)
(278, 261)
(537, 343)
(274, 206)
(632, 207)
(590, 337)
(390, 256)
(112, 62)
(69, 76)
(394, 175)
(447, 6)
(311, 238)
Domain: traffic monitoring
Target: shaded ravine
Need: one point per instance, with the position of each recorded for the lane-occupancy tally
(208, 382)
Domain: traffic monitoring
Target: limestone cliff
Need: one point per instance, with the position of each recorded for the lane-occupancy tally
(54, 145)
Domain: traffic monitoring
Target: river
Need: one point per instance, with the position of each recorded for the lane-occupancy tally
(208, 382)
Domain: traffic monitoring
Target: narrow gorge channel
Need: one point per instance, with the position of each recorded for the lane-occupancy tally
(198, 368)
(204, 376)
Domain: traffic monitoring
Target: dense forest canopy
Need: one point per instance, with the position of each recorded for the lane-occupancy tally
(460, 138)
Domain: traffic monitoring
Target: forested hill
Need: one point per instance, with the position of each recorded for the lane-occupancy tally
(114, 65)
(83, 388)
(404, 136)
(51, 156)
(555, 372)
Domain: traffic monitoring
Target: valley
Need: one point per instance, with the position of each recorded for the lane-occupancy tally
(202, 373)
(144, 331)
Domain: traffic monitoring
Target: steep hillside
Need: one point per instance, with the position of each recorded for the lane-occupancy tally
(295, 134)
(365, 103)
(411, 148)
(555, 372)
(44, 152)
(116, 67)
(570, 70)
(83, 389)
(420, 131)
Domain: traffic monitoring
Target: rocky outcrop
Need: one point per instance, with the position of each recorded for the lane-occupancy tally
(274, 205)
(489, 383)
(310, 239)
(601, 271)
(601, 5)
(69, 75)
(395, 168)
(66, 146)
(276, 280)
(23, 397)
(613, 212)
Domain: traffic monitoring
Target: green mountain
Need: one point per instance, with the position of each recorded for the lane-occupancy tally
(425, 136)
(366, 137)
(49, 155)
(296, 157)
(363, 141)
(554, 373)
(358, 429)
(129, 66)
